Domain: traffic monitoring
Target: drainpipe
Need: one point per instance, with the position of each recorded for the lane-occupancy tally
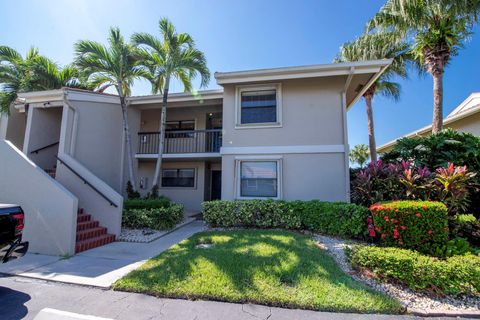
(345, 132)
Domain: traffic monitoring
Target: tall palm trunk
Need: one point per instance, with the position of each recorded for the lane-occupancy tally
(437, 123)
(128, 139)
(371, 130)
(163, 123)
(436, 59)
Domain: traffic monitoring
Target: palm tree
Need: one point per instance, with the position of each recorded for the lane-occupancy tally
(436, 30)
(113, 66)
(32, 73)
(359, 154)
(373, 47)
(173, 56)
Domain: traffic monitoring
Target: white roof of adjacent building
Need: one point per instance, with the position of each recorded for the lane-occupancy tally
(468, 107)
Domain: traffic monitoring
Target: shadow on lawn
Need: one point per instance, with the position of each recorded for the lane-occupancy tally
(285, 258)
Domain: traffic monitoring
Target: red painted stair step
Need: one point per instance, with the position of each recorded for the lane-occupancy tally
(83, 217)
(91, 233)
(81, 226)
(94, 242)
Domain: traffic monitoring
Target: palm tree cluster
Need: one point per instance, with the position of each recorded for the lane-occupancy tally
(424, 34)
(158, 60)
(115, 65)
(34, 72)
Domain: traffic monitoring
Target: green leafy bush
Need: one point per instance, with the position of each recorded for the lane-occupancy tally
(251, 213)
(456, 275)
(437, 150)
(465, 226)
(158, 218)
(161, 202)
(338, 219)
(418, 225)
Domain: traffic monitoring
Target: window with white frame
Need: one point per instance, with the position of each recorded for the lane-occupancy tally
(258, 105)
(259, 179)
(178, 178)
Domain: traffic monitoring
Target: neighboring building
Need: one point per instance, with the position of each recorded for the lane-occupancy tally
(464, 118)
(274, 133)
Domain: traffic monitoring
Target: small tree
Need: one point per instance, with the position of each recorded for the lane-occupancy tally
(173, 56)
(114, 66)
(359, 154)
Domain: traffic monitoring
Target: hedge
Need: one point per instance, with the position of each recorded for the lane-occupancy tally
(417, 225)
(332, 218)
(161, 202)
(160, 218)
(456, 275)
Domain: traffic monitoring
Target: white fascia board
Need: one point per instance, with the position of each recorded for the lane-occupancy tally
(470, 99)
(302, 149)
(178, 97)
(323, 70)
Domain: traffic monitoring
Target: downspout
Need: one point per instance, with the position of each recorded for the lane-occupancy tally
(63, 131)
(345, 132)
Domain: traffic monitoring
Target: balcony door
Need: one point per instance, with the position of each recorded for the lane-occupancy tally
(213, 140)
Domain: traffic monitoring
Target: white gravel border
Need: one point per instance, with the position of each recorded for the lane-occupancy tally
(148, 235)
(413, 301)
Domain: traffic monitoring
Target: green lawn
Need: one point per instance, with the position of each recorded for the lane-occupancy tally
(276, 268)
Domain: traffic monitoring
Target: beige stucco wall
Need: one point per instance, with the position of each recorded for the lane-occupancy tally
(98, 140)
(43, 129)
(469, 124)
(304, 176)
(311, 115)
(50, 209)
(15, 127)
(191, 198)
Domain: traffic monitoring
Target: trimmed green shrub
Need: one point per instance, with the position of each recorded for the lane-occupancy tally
(338, 219)
(251, 213)
(417, 225)
(159, 218)
(161, 202)
(332, 218)
(455, 275)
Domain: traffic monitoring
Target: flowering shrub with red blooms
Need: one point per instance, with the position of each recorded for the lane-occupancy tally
(417, 225)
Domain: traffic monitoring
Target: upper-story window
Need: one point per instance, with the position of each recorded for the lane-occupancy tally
(258, 106)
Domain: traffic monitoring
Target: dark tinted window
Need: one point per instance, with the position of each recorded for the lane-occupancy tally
(259, 106)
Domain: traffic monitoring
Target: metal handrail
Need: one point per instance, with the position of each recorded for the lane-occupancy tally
(46, 147)
(86, 182)
(181, 131)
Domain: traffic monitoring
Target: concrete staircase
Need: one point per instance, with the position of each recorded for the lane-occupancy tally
(90, 234)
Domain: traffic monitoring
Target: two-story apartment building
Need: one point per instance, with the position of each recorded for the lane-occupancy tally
(272, 133)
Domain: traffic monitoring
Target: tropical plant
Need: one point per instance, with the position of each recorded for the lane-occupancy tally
(113, 66)
(374, 47)
(453, 187)
(435, 30)
(359, 154)
(33, 72)
(175, 56)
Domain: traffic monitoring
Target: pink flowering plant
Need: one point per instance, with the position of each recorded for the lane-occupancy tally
(417, 225)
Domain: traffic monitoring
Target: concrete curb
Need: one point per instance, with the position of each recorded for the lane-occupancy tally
(446, 313)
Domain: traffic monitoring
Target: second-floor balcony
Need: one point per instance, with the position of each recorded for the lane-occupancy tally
(181, 142)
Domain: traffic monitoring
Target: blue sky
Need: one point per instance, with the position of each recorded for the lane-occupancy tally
(242, 35)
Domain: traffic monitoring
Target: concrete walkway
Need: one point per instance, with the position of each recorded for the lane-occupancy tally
(23, 298)
(99, 267)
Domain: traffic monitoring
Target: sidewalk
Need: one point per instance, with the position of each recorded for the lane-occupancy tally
(99, 267)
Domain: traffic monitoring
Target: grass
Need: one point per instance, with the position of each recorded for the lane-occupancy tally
(276, 268)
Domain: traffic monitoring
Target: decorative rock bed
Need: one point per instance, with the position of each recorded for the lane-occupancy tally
(148, 235)
(415, 302)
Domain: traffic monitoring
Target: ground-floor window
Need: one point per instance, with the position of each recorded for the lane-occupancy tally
(259, 179)
(182, 178)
